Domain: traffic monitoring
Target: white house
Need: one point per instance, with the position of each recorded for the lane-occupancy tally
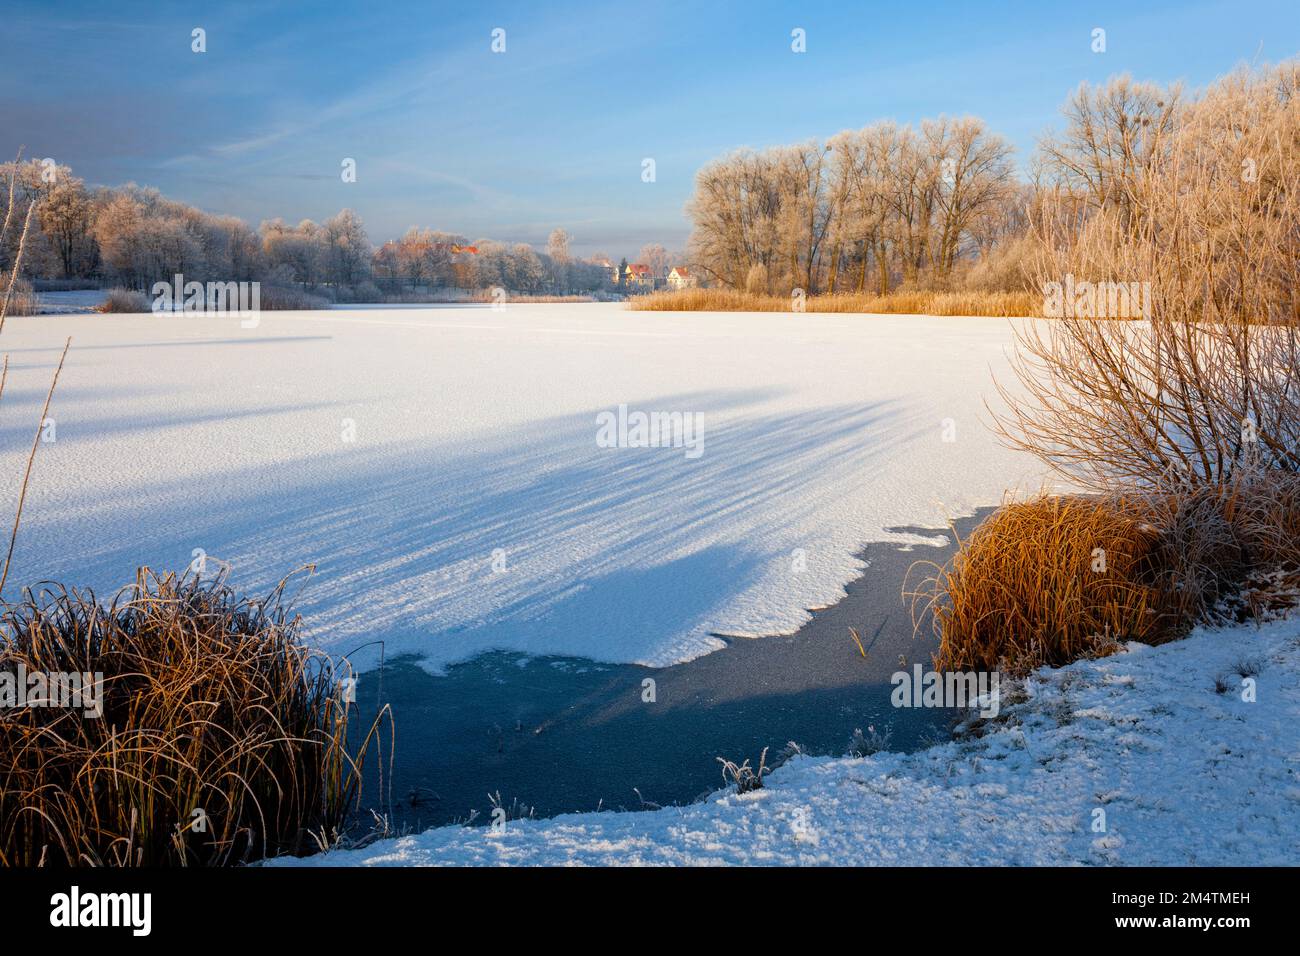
(680, 278)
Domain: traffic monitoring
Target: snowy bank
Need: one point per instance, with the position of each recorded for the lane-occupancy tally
(1160, 746)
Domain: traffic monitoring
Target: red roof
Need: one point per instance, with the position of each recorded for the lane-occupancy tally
(638, 269)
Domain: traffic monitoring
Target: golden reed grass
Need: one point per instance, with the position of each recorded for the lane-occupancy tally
(1022, 591)
(1006, 304)
(222, 738)
(1056, 578)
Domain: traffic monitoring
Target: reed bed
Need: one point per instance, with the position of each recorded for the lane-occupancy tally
(221, 739)
(1053, 579)
(23, 299)
(1006, 304)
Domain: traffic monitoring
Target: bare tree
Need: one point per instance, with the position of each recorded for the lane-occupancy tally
(65, 220)
(885, 197)
(975, 178)
(348, 253)
(735, 208)
(557, 246)
(656, 258)
(1113, 135)
(1207, 233)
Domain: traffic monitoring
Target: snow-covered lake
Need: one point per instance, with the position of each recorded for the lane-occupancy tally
(441, 467)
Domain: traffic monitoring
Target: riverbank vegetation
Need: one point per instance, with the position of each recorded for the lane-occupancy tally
(205, 732)
(908, 303)
(1185, 428)
(1143, 187)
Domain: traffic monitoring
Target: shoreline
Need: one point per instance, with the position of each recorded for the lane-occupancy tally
(564, 734)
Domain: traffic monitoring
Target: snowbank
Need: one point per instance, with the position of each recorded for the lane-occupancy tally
(1183, 772)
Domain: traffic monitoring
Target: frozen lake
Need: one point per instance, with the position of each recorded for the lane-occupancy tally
(446, 472)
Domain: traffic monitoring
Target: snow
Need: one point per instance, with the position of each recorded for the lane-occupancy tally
(441, 468)
(1185, 774)
(476, 436)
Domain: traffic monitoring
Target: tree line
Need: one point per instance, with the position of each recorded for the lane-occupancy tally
(867, 210)
(132, 236)
(942, 206)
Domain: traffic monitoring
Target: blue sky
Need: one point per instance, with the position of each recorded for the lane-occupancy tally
(552, 132)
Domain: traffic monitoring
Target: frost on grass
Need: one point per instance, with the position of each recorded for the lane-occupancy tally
(1133, 759)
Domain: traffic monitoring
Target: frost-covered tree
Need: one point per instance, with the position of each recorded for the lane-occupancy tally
(899, 201)
(557, 246)
(64, 217)
(656, 258)
(348, 249)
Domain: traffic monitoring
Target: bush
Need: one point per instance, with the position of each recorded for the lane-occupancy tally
(1263, 507)
(1057, 578)
(1206, 227)
(221, 740)
(126, 300)
(362, 293)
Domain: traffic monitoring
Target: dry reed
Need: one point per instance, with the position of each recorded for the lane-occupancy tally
(220, 739)
(1056, 578)
(971, 303)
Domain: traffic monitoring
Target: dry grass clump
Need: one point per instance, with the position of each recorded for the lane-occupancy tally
(1056, 578)
(972, 303)
(222, 739)
(23, 299)
(1023, 591)
(125, 300)
(744, 777)
(1263, 508)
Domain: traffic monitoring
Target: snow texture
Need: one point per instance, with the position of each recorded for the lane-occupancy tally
(473, 434)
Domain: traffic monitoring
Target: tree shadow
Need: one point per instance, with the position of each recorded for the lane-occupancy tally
(605, 553)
